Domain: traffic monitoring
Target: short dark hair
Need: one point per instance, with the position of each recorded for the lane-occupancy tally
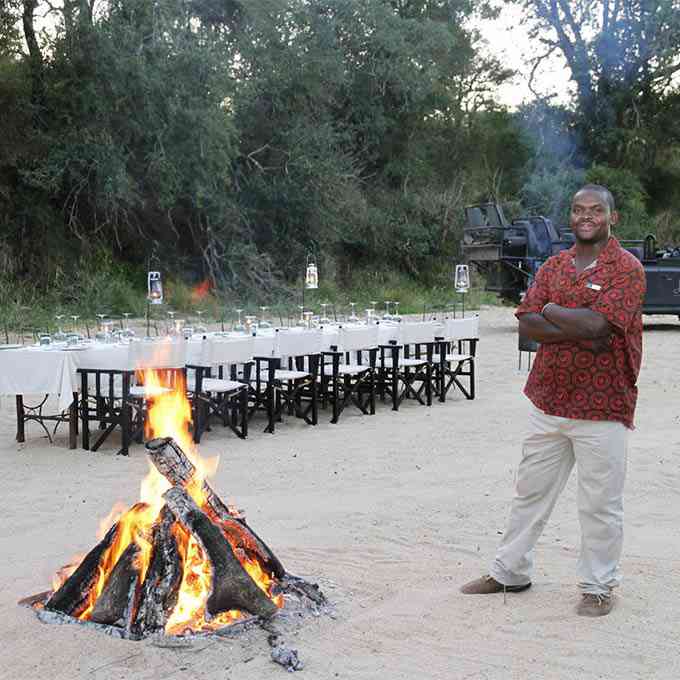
(603, 191)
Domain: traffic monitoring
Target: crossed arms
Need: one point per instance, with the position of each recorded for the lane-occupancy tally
(557, 324)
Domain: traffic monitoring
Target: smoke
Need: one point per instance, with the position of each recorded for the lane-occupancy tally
(557, 164)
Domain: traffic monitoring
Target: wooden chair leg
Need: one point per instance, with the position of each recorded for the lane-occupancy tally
(315, 405)
(336, 400)
(84, 411)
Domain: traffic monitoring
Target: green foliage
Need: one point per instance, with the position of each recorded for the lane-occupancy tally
(224, 141)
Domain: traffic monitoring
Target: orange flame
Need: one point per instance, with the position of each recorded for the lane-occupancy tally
(169, 415)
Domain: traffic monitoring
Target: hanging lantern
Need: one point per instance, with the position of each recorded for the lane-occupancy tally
(154, 288)
(311, 274)
(462, 278)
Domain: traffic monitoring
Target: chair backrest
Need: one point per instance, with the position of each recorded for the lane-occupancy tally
(231, 351)
(291, 343)
(456, 329)
(357, 337)
(417, 332)
(165, 353)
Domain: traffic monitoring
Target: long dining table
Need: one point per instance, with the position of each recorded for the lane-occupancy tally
(41, 370)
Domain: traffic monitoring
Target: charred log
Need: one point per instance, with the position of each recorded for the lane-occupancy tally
(113, 602)
(174, 465)
(163, 578)
(301, 588)
(232, 587)
(71, 598)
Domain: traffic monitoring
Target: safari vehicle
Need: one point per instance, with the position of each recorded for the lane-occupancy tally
(509, 254)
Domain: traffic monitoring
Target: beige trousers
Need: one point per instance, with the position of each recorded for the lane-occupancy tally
(550, 450)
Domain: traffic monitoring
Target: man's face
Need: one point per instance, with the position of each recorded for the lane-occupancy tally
(590, 217)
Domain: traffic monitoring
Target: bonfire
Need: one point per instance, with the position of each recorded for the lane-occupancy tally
(178, 562)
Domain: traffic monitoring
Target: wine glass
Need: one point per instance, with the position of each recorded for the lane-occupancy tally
(107, 326)
(251, 324)
(59, 336)
(395, 316)
(127, 332)
(324, 317)
(301, 321)
(263, 319)
(239, 327)
(200, 326)
(353, 318)
(387, 316)
(101, 319)
(308, 316)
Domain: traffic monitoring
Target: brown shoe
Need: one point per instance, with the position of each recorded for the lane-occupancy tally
(595, 605)
(486, 585)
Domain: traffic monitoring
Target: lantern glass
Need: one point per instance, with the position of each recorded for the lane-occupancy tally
(154, 288)
(462, 278)
(311, 276)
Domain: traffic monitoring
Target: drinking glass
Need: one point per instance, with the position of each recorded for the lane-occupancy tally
(324, 317)
(301, 321)
(353, 318)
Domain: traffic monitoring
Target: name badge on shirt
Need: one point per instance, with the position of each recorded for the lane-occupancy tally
(593, 286)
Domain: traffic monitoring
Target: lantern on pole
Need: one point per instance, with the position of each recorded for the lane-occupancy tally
(154, 288)
(311, 280)
(461, 282)
(311, 274)
(154, 295)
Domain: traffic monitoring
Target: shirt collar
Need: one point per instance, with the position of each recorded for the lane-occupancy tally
(608, 254)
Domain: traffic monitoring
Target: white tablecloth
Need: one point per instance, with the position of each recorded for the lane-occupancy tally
(31, 371)
(39, 370)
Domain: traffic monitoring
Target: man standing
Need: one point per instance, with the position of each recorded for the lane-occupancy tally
(585, 310)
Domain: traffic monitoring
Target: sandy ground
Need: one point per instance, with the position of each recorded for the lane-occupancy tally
(390, 514)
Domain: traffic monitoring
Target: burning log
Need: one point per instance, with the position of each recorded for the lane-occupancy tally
(232, 587)
(177, 564)
(71, 598)
(174, 465)
(159, 593)
(113, 602)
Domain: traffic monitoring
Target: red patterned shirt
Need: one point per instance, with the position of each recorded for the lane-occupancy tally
(567, 378)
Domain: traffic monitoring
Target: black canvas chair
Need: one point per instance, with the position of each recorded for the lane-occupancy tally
(406, 366)
(348, 371)
(287, 381)
(455, 359)
(218, 384)
(117, 397)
